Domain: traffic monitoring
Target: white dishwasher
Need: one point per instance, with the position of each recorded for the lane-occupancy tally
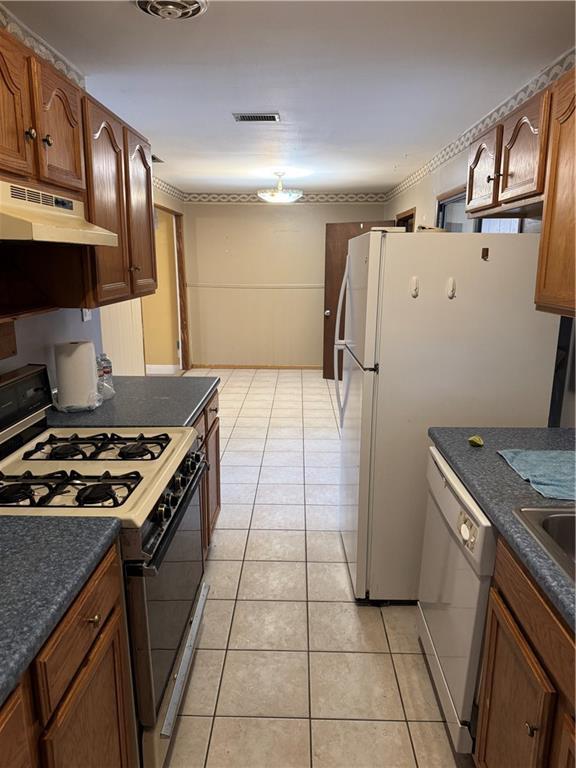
(457, 564)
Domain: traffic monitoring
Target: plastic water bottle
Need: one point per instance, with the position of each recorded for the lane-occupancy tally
(105, 381)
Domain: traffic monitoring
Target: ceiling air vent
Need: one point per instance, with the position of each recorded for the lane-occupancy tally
(257, 117)
(173, 9)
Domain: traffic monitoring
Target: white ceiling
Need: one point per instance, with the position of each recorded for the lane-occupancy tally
(367, 91)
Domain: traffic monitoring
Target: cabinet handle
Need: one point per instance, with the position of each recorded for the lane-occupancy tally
(213, 409)
(493, 178)
(135, 269)
(530, 729)
(96, 619)
(48, 140)
(31, 134)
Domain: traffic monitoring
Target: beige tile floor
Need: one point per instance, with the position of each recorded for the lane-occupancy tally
(290, 671)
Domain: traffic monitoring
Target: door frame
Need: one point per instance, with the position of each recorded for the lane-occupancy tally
(185, 355)
(410, 213)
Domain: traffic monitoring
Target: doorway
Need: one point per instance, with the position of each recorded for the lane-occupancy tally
(407, 219)
(337, 237)
(165, 312)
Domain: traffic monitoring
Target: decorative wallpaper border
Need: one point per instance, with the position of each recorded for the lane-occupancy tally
(549, 75)
(251, 198)
(40, 47)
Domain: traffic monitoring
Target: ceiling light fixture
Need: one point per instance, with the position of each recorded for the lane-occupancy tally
(173, 9)
(278, 194)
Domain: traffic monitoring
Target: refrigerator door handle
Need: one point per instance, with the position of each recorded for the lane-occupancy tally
(339, 344)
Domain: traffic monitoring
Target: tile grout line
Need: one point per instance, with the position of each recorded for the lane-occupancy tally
(310, 755)
(399, 689)
(227, 643)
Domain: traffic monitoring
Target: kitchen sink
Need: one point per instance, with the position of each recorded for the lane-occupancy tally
(554, 528)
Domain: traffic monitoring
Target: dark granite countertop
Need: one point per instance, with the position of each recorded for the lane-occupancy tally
(498, 490)
(45, 563)
(145, 401)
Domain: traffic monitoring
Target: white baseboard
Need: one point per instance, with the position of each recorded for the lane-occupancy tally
(165, 370)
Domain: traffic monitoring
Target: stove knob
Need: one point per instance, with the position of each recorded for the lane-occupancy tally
(178, 484)
(189, 465)
(162, 513)
(170, 499)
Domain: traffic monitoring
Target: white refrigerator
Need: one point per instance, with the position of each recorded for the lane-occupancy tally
(440, 330)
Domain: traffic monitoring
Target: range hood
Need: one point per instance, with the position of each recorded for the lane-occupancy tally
(31, 214)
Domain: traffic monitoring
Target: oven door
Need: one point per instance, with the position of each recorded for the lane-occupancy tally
(164, 604)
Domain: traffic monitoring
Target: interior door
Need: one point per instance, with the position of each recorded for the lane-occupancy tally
(337, 237)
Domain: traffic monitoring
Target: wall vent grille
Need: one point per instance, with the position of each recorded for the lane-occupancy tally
(40, 198)
(257, 117)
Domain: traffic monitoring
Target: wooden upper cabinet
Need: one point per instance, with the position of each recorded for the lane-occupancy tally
(516, 699)
(524, 145)
(106, 199)
(567, 745)
(140, 213)
(555, 283)
(484, 170)
(58, 121)
(16, 128)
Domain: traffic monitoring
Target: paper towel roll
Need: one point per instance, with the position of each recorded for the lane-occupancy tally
(77, 376)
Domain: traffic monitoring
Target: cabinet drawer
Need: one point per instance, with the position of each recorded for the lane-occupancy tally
(58, 661)
(212, 411)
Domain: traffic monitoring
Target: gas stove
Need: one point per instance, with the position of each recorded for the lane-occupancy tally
(153, 481)
(127, 474)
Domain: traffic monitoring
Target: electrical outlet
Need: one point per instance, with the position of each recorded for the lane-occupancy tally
(86, 315)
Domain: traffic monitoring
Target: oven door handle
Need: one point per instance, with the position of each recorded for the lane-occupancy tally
(184, 667)
(151, 568)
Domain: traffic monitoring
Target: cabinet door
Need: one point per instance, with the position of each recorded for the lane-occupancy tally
(106, 199)
(15, 742)
(524, 145)
(516, 699)
(58, 120)
(16, 127)
(94, 724)
(483, 170)
(555, 283)
(140, 213)
(213, 474)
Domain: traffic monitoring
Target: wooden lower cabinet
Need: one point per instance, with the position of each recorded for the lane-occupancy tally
(527, 698)
(517, 698)
(213, 474)
(91, 727)
(208, 427)
(17, 731)
(89, 722)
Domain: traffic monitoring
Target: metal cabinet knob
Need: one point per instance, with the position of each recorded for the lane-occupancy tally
(530, 729)
(493, 178)
(30, 133)
(327, 313)
(96, 619)
(48, 140)
(213, 410)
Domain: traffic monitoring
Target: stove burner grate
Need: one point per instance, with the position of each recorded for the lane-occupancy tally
(99, 447)
(69, 489)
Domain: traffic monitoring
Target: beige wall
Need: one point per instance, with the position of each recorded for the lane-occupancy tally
(422, 196)
(255, 276)
(160, 310)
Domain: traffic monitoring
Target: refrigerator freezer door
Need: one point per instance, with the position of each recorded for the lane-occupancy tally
(363, 276)
(355, 462)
